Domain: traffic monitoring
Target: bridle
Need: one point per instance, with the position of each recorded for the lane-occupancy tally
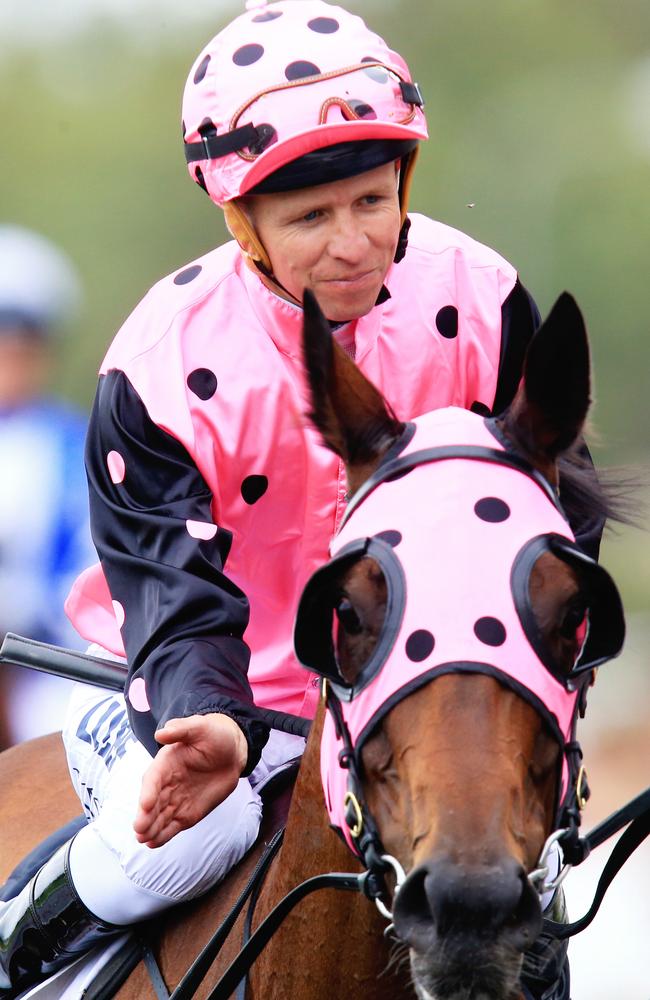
(360, 829)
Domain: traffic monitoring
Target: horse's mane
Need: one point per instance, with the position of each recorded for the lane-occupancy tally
(590, 495)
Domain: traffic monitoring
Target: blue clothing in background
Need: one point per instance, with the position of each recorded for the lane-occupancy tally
(44, 543)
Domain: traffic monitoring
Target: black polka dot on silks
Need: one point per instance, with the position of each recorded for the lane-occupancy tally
(481, 408)
(324, 25)
(189, 274)
(362, 110)
(447, 322)
(492, 509)
(298, 70)
(392, 538)
(253, 488)
(490, 631)
(267, 15)
(202, 382)
(419, 645)
(247, 55)
(202, 69)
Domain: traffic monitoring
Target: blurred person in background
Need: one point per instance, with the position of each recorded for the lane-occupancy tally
(44, 533)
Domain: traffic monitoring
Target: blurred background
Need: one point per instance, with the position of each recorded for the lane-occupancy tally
(539, 115)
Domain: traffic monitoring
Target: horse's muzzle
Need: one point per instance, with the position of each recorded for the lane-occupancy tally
(467, 925)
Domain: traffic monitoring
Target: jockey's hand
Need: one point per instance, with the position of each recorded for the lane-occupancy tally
(199, 765)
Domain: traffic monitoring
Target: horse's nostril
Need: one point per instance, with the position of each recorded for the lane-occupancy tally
(527, 917)
(412, 902)
(441, 898)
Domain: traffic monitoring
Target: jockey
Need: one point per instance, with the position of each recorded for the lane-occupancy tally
(44, 532)
(212, 499)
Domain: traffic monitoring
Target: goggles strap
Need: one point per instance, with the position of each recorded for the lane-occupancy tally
(214, 147)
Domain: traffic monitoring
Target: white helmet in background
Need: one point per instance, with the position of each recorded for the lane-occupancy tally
(39, 286)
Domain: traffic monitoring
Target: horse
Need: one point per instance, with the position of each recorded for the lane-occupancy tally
(450, 786)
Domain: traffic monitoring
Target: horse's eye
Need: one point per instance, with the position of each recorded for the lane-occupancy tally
(348, 618)
(574, 622)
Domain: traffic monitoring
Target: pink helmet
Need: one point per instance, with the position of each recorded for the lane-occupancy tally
(287, 79)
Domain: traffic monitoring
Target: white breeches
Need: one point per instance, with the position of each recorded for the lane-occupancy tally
(120, 880)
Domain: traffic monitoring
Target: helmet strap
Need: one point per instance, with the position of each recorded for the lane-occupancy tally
(244, 232)
(405, 180)
(255, 255)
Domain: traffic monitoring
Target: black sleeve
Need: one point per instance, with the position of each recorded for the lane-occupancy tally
(520, 318)
(184, 620)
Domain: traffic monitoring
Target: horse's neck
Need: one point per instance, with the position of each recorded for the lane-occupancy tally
(332, 944)
(309, 840)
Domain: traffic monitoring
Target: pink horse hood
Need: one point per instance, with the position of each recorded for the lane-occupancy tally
(455, 536)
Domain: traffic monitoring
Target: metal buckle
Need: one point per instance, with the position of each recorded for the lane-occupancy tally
(582, 778)
(351, 799)
(538, 877)
(400, 876)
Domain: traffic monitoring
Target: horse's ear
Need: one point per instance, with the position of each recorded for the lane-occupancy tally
(351, 414)
(551, 405)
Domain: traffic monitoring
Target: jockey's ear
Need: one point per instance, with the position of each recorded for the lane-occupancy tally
(351, 414)
(549, 411)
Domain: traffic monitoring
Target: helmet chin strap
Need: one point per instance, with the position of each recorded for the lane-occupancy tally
(242, 229)
(256, 256)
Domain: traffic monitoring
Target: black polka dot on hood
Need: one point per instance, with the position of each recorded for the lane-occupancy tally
(419, 645)
(492, 509)
(391, 537)
(490, 631)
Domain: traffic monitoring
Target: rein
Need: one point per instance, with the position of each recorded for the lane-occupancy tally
(20, 651)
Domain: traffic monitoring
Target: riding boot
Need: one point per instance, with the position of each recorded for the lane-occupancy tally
(45, 927)
(545, 974)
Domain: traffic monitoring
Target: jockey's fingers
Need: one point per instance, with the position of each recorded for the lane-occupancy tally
(154, 795)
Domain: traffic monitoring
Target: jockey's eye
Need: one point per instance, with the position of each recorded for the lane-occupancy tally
(574, 623)
(348, 618)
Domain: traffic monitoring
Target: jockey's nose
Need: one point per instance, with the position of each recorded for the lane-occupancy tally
(441, 898)
(348, 241)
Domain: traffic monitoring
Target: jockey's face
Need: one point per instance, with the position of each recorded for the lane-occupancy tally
(337, 239)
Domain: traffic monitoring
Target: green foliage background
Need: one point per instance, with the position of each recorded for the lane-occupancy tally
(538, 115)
